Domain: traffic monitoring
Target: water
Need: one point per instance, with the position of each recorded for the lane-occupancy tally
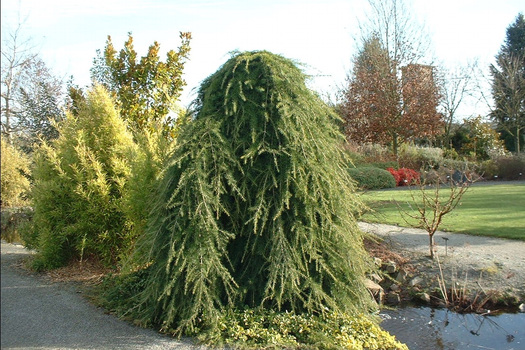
(440, 329)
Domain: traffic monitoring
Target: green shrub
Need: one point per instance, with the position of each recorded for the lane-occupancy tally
(432, 175)
(14, 175)
(416, 157)
(453, 164)
(482, 141)
(384, 165)
(255, 207)
(263, 329)
(510, 167)
(449, 165)
(446, 170)
(146, 169)
(450, 153)
(503, 168)
(79, 183)
(356, 158)
(372, 178)
(375, 153)
(488, 169)
(370, 155)
(13, 222)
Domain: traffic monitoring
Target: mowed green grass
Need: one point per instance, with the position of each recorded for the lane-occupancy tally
(485, 210)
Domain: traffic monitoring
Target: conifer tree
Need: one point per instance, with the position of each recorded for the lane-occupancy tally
(256, 207)
(508, 86)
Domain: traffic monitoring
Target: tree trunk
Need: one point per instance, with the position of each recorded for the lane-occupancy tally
(431, 245)
(518, 139)
(7, 120)
(395, 144)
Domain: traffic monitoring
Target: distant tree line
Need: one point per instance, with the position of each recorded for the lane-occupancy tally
(393, 96)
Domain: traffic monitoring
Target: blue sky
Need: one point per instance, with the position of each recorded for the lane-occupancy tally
(320, 34)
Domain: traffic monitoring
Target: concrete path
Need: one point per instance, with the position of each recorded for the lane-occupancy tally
(38, 314)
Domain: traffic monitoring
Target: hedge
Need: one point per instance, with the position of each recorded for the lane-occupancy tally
(372, 178)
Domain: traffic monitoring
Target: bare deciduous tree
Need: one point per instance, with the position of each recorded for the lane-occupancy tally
(455, 86)
(432, 205)
(17, 54)
(399, 32)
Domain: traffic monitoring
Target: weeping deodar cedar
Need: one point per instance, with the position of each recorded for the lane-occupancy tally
(256, 207)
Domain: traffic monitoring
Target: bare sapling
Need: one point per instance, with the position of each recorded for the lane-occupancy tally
(432, 202)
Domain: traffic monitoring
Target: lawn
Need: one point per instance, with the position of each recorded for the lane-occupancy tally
(496, 210)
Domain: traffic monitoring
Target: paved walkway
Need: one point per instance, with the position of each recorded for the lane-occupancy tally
(38, 314)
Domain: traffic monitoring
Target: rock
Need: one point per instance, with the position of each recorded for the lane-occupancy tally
(376, 278)
(386, 283)
(442, 304)
(401, 276)
(371, 285)
(522, 308)
(395, 288)
(416, 281)
(424, 297)
(392, 298)
(378, 262)
(390, 267)
(375, 289)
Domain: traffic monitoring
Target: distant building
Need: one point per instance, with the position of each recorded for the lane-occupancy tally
(419, 90)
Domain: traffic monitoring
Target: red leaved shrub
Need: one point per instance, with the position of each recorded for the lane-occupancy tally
(405, 176)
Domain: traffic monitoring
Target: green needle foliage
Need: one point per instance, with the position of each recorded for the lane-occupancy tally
(256, 207)
(149, 160)
(79, 180)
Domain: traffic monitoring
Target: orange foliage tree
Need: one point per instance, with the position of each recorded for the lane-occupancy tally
(387, 105)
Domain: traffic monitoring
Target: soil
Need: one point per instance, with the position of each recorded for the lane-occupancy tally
(470, 265)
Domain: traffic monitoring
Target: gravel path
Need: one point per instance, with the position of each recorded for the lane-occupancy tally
(483, 262)
(39, 314)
